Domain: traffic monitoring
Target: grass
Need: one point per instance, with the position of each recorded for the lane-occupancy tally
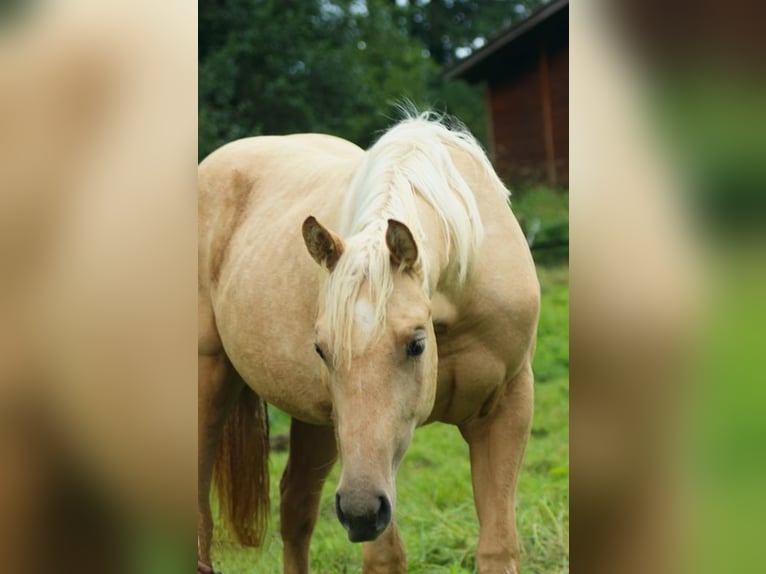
(435, 510)
(544, 216)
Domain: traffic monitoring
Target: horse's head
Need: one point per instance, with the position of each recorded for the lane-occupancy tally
(375, 336)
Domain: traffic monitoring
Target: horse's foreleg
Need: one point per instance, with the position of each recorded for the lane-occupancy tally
(385, 555)
(497, 443)
(216, 390)
(312, 455)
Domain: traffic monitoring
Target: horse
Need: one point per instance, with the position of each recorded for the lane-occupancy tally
(364, 293)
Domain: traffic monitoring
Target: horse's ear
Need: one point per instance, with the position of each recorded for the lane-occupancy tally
(323, 245)
(401, 244)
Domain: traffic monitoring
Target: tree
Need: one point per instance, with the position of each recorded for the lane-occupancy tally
(446, 26)
(296, 66)
(333, 66)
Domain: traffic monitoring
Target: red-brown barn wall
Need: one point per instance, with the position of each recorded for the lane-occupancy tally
(559, 78)
(518, 146)
(516, 112)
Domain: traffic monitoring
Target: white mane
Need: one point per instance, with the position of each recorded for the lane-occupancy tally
(410, 159)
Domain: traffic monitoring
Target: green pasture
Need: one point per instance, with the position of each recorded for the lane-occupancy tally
(435, 511)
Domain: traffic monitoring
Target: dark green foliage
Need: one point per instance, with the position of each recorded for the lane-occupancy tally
(287, 66)
(443, 26)
(271, 67)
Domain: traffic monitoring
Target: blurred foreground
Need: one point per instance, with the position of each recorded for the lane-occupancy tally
(97, 304)
(667, 286)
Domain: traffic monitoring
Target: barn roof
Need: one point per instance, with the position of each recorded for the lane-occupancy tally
(470, 67)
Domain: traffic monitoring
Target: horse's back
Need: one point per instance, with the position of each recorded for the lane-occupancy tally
(268, 165)
(261, 177)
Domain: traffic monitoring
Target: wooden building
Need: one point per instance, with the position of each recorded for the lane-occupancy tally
(526, 75)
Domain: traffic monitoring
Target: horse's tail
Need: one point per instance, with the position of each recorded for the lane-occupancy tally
(242, 470)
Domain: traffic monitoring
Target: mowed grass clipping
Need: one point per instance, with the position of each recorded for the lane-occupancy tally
(435, 510)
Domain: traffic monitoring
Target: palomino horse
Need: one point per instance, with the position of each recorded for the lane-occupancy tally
(421, 306)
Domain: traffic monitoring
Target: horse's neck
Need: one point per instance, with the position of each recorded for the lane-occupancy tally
(433, 250)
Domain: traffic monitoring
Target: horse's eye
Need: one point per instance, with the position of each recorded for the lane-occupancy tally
(416, 347)
(318, 349)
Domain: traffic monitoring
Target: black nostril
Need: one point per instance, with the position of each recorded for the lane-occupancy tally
(363, 518)
(383, 516)
(339, 512)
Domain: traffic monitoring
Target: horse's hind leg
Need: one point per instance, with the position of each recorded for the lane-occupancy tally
(497, 442)
(216, 391)
(312, 455)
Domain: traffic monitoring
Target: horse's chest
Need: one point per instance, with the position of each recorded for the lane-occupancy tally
(467, 381)
(482, 345)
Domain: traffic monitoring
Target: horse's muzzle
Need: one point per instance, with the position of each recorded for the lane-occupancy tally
(363, 519)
